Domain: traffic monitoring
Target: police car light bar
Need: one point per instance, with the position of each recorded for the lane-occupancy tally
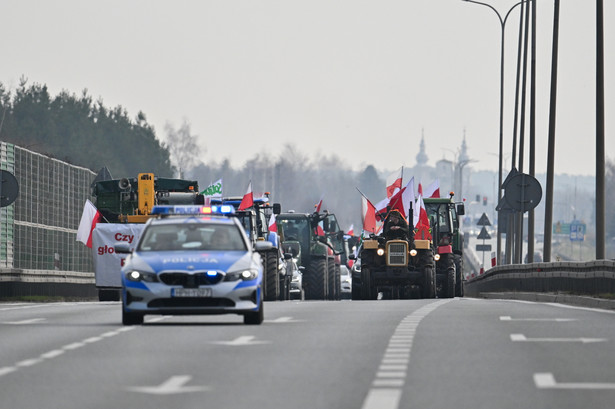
(192, 210)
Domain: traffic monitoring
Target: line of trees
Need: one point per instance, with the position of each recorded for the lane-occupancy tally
(80, 131)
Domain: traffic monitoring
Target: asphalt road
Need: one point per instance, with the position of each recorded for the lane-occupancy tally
(459, 353)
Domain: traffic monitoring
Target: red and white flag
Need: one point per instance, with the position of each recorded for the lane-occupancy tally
(273, 226)
(368, 215)
(493, 259)
(433, 190)
(248, 198)
(89, 218)
(350, 231)
(402, 199)
(394, 181)
(318, 205)
(422, 225)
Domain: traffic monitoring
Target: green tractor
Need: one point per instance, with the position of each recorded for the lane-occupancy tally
(316, 242)
(448, 240)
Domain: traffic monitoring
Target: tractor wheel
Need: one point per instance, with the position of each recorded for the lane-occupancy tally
(272, 283)
(315, 279)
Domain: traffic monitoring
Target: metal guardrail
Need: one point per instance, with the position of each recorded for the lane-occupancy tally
(593, 278)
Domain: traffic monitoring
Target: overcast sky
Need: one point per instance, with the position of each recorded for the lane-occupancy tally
(362, 79)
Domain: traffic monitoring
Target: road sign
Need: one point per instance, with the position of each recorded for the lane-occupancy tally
(483, 247)
(577, 231)
(484, 234)
(522, 192)
(483, 221)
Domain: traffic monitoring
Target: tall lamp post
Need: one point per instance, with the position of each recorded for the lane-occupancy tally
(503, 27)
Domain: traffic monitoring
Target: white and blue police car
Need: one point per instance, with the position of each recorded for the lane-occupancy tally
(192, 260)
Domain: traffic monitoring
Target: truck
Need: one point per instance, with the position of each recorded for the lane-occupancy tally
(276, 278)
(125, 205)
(448, 240)
(394, 263)
(316, 243)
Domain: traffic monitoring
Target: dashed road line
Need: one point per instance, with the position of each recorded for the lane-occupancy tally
(26, 363)
(390, 379)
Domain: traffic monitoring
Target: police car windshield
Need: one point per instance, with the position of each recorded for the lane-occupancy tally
(192, 236)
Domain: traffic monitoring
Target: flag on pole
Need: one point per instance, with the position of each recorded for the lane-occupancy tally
(318, 206)
(433, 190)
(368, 215)
(273, 226)
(89, 218)
(350, 231)
(394, 181)
(248, 198)
(422, 227)
(402, 199)
(213, 190)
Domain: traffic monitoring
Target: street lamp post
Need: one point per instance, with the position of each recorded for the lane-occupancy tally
(503, 27)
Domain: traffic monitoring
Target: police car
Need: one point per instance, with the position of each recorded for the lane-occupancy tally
(192, 260)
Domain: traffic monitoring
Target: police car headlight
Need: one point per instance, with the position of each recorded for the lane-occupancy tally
(413, 252)
(436, 257)
(136, 275)
(247, 275)
(380, 252)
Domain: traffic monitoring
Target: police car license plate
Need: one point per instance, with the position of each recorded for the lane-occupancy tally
(191, 292)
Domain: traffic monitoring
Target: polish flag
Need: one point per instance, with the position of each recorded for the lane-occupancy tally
(493, 259)
(402, 199)
(89, 218)
(368, 215)
(248, 198)
(350, 231)
(433, 190)
(273, 226)
(394, 182)
(318, 206)
(423, 223)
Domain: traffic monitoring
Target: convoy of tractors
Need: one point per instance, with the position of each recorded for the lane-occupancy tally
(310, 252)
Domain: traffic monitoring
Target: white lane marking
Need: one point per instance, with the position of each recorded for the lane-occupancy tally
(283, 320)
(547, 381)
(7, 370)
(60, 351)
(52, 354)
(523, 338)
(173, 385)
(507, 318)
(386, 389)
(24, 322)
(242, 341)
(383, 398)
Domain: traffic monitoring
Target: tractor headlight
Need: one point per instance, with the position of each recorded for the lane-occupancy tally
(380, 252)
(436, 257)
(413, 252)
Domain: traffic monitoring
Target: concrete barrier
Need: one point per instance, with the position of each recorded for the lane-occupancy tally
(562, 280)
(46, 283)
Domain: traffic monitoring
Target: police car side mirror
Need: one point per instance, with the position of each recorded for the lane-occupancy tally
(122, 248)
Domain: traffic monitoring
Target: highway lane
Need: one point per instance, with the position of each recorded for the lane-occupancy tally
(462, 353)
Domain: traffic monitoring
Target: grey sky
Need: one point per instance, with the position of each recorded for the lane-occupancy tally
(331, 76)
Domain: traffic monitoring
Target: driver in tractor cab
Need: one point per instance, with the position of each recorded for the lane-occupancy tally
(396, 226)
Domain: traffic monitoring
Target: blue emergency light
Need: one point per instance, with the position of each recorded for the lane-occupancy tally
(192, 210)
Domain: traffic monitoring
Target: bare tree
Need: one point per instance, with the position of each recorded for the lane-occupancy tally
(183, 147)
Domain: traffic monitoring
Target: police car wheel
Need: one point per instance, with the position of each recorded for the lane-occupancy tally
(131, 318)
(255, 318)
